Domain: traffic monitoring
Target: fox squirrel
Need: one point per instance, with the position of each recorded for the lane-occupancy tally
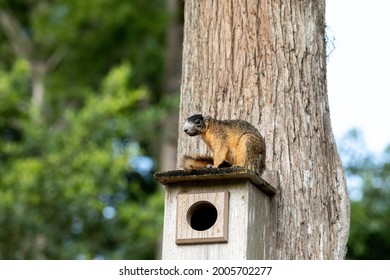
(232, 142)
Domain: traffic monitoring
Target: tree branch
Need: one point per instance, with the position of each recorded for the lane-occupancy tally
(21, 43)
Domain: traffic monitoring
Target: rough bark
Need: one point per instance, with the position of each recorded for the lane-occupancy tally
(265, 62)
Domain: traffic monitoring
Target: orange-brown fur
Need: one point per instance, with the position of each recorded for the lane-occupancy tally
(235, 141)
(196, 161)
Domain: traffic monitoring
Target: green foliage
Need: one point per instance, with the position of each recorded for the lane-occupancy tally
(370, 214)
(77, 181)
(87, 38)
(14, 101)
(98, 34)
(73, 189)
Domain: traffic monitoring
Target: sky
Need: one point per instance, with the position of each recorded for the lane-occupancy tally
(359, 69)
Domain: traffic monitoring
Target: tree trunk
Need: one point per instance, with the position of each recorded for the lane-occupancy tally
(265, 62)
(38, 88)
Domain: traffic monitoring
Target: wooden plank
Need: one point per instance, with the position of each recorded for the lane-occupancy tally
(228, 173)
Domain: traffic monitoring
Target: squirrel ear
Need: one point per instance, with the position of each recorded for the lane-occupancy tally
(207, 118)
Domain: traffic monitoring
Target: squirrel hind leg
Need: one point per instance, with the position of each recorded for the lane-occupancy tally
(251, 153)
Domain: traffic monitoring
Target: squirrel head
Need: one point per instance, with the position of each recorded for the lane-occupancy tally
(196, 124)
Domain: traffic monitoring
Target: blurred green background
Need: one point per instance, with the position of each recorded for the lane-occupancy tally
(84, 103)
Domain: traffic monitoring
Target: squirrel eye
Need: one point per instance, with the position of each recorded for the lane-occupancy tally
(197, 122)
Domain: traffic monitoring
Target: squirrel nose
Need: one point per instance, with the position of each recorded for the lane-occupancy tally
(185, 130)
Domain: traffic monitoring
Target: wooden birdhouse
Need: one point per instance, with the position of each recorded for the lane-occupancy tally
(216, 213)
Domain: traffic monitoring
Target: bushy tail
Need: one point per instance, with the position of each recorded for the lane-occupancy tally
(200, 161)
(196, 161)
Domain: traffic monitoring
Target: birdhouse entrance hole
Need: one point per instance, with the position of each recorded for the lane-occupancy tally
(202, 215)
